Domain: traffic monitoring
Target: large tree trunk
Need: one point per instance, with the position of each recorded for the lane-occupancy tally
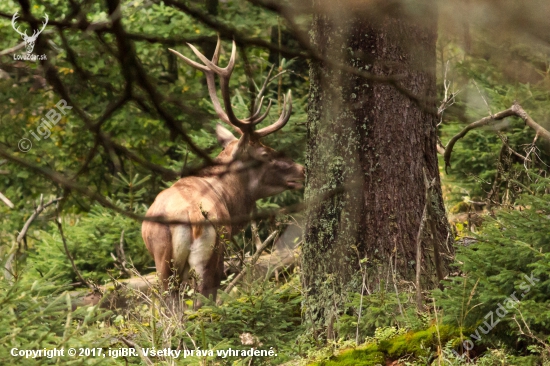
(368, 148)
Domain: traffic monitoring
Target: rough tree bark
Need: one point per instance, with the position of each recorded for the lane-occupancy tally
(368, 148)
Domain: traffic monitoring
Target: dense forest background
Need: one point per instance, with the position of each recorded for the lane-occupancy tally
(140, 120)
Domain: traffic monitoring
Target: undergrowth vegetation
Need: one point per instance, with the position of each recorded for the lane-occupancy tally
(493, 311)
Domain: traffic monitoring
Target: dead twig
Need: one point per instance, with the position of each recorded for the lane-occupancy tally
(92, 286)
(449, 98)
(120, 257)
(129, 343)
(13, 49)
(8, 270)
(255, 235)
(253, 261)
(504, 140)
(529, 332)
(41, 207)
(6, 201)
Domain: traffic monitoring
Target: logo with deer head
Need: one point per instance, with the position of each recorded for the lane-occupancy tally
(29, 40)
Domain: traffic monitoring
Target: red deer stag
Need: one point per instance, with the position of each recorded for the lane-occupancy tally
(246, 171)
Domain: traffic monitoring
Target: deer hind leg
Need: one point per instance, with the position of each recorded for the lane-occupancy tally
(157, 238)
(181, 246)
(206, 259)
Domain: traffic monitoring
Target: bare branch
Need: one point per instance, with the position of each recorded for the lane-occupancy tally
(128, 60)
(12, 49)
(93, 287)
(483, 97)
(120, 257)
(129, 343)
(41, 207)
(232, 33)
(255, 235)
(253, 261)
(6, 200)
(514, 110)
(72, 185)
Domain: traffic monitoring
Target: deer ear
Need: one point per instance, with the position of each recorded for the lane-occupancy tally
(224, 135)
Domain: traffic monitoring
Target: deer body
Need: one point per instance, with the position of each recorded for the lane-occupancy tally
(186, 246)
(217, 201)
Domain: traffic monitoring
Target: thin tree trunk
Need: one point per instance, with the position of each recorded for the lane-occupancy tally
(367, 147)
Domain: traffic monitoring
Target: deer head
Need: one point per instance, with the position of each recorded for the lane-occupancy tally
(29, 40)
(269, 172)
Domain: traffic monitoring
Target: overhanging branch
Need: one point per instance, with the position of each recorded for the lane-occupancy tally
(514, 110)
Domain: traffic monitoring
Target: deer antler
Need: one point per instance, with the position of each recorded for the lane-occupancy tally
(44, 23)
(246, 125)
(34, 34)
(15, 16)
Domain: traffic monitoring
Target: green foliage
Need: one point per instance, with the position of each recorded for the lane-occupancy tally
(271, 314)
(264, 315)
(35, 308)
(37, 314)
(508, 261)
(90, 239)
(379, 310)
(87, 65)
(484, 88)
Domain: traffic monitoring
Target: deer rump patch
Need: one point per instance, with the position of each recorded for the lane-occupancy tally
(192, 247)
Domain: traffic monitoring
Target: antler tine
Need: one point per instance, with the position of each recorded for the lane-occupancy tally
(216, 56)
(283, 119)
(264, 85)
(212, 65)
(258, 110)
(45, 22)
(255, 119)
(209, 80)
(216, 102)
(16, 16)
(191, 63)
(36, 32)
